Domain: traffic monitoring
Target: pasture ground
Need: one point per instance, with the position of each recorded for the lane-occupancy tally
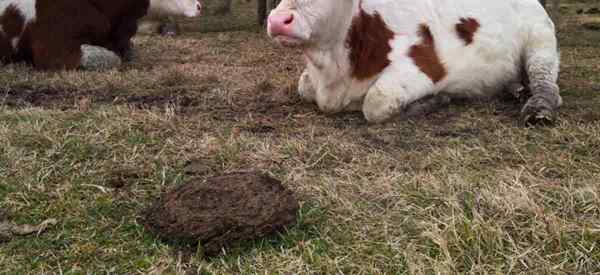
(463, 190)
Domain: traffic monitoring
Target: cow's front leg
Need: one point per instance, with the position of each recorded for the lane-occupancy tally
(333, 98)
(121, 39)
(392, 93)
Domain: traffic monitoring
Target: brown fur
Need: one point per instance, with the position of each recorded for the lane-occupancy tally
(368, 40)
(53, 40)
(466, 29)
(425, 56)
(12, 22)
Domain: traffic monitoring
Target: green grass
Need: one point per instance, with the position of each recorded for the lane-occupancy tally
(464, 190)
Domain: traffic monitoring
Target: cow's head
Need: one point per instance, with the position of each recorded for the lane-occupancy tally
(188, 8)
(308, 22)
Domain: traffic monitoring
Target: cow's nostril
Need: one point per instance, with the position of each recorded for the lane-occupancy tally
(289, 20)
(198, 6)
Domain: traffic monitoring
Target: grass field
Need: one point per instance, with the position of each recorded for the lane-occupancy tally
(464, 190)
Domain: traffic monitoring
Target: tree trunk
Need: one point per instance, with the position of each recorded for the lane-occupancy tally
(225, 9)
(261, 8)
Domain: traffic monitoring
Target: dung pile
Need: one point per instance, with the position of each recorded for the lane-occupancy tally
(222, 211)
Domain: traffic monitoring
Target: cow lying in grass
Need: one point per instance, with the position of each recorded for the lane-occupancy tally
(160, 16)
(382, 56)
(70, 34)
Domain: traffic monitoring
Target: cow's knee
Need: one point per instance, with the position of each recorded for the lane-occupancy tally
(379, 106)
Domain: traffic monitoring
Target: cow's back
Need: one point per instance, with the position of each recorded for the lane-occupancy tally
(479, 43)
(114, 9)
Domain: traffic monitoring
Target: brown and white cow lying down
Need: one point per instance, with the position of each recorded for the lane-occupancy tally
(381, 56)
(51, 34)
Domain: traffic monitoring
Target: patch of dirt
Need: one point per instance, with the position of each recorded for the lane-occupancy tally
(268, 107)
(66, 100)
(121, 177)
(457, 133)
(592, 26)
(222, 211)
(198, 167)
(264, 103)
(592, 11)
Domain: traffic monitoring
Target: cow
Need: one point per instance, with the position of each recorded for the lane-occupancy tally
(383, 56)
(187, 8)
(49, 33)
(160, 18)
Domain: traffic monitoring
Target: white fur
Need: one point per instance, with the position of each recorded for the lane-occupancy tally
(27, 7)
(514, 34)
(188, 8)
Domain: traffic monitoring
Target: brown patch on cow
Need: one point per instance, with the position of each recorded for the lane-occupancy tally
(369, 43)
(466, 29)
(12, 22)
(6, 50)
(425, 56)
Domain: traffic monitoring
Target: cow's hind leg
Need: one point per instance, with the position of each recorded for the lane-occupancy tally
(541, 66)
(48, 56)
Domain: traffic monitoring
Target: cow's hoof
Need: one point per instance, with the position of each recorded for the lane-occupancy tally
(538, 111)
(96, 58)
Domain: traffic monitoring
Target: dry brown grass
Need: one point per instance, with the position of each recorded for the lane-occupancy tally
(463, 190)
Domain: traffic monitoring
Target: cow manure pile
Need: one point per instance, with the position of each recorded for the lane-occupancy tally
(221, 211)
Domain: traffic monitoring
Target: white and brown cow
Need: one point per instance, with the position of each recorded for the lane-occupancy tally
(50, 33)
(381, 56)
(163, 8)
(160, 18)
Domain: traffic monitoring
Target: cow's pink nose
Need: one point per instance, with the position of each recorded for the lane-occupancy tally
(279, 23)
(199, 6)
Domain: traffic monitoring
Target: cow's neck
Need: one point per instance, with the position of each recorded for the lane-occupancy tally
(331, 56)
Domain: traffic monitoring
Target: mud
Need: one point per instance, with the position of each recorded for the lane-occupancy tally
(65, 100)
(592, 26)
(592, 11)
(122, 177)
(268, 105)
(221, 211)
